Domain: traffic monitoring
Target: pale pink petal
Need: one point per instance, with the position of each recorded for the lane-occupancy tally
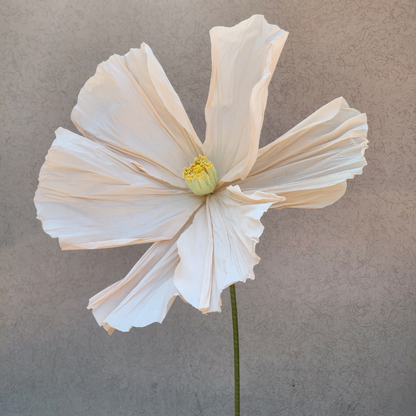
(90, 197)
(218, 248)
(144, 296)
(130, 106)
(310, 164)
(243, 60)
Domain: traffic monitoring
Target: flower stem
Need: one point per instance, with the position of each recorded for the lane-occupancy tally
(236, 351)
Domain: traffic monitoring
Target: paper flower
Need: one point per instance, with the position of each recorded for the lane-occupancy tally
(125, 181)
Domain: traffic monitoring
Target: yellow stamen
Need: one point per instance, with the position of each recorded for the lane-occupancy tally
(201, 176)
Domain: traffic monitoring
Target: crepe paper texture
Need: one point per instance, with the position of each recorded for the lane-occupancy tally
(121, 182)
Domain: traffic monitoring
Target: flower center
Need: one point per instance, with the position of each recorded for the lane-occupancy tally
(201, 176)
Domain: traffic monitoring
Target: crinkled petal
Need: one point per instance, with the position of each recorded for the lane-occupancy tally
(90, 197)
(144, 296)
(243, 60)
(310, 164)
(218, 248)
(130, 106)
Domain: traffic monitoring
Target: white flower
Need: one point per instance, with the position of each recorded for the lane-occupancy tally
(121, 182)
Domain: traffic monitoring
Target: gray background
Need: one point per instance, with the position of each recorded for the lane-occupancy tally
(328, 328)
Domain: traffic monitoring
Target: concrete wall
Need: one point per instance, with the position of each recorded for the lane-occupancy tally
(328, 328)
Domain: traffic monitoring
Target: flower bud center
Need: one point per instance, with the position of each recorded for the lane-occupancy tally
(201, 176)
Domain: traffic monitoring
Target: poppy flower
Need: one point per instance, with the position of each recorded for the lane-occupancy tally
(138, 173)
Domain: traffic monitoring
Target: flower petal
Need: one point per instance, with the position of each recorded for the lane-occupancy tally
(218, 248)
(144, 296)
(243, 60)
(90, 197)
(130, 106)
(309, 165)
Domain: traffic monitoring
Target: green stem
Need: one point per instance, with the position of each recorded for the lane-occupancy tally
(236, 351)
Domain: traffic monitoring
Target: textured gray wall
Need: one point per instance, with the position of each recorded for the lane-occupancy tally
(328, 328)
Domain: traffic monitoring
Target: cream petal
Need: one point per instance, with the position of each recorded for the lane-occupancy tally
(312, 198)
(130, 106)
(218, 248)
(310, 164)
(144, 296)
(90, 197)
(243, 60)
